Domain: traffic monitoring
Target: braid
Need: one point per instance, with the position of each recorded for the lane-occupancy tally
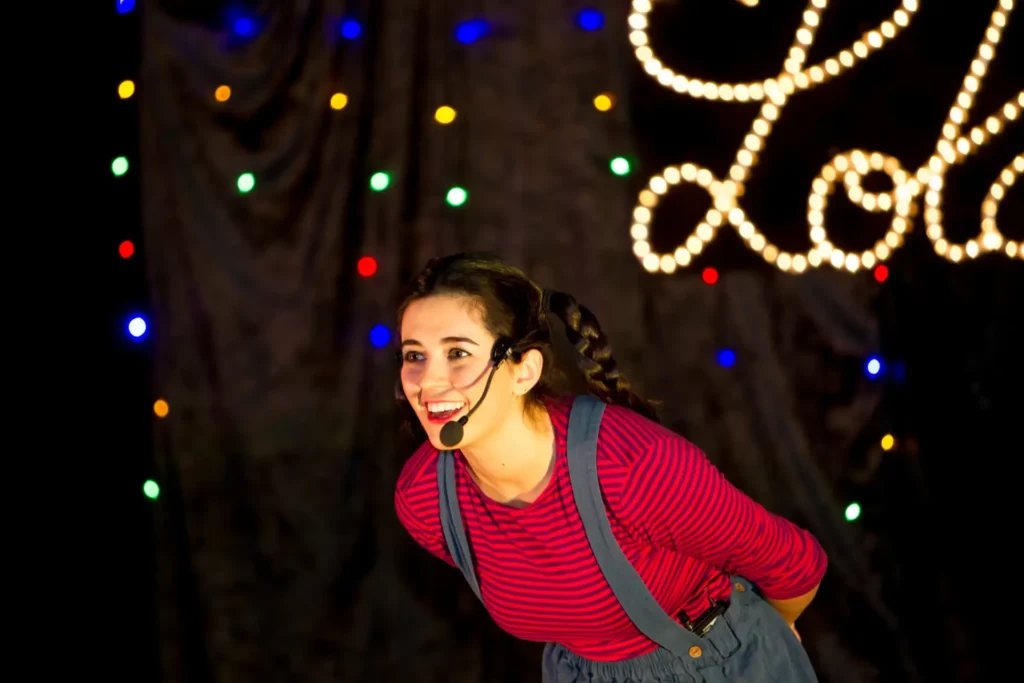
(595, 359)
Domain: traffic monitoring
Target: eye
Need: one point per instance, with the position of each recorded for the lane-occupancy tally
(412, 356)
(458, 354)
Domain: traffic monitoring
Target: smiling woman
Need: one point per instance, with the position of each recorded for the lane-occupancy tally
(460, 306)
(668, 581)
(447, 355)
(458, 309)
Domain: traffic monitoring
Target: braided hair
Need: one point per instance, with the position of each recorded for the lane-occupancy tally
(594, 354)
(512, 305)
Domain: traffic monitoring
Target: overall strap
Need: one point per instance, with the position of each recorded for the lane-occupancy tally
(633, 595)
(451, 519)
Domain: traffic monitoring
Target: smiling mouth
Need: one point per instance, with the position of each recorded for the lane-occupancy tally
(442, 412)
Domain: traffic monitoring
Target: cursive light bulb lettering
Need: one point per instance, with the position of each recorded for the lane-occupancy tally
(849, 167)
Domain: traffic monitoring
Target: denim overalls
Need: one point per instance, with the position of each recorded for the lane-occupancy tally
(748, 642)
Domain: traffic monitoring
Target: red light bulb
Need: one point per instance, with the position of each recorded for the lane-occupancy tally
(367, 266)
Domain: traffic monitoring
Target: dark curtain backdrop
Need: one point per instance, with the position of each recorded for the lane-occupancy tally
(279, 556)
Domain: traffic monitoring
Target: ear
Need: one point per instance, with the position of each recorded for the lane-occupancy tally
(527, 372)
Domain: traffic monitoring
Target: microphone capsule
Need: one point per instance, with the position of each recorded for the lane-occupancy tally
(451, 433)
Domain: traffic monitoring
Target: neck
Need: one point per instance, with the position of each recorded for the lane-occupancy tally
(514, 464)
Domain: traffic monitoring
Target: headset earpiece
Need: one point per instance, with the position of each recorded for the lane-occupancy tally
(501, 349)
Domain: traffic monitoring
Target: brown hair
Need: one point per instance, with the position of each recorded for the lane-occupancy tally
(511, 306)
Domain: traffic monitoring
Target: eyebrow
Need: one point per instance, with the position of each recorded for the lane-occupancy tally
(446, 340)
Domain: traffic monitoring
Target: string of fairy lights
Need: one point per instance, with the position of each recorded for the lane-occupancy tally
(242, 26)
(137, 325)
(951, 149)
(773, 93)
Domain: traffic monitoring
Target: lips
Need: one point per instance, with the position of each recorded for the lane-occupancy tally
(439, 412)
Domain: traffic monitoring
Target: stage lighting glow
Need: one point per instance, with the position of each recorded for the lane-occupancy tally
(380, 336)
(471, 31)
(590, 19)
(852, 512)
(350, 29)
(710, 276)
(119, 166)
(151, 489)
(125, 89)
(246, 182)
(620, 166)
(444, 115)
(161, 408)
(137, 327)
(379, 181)
(873, 366)
(125, 6)
(366, 266)
(126, 249)
(222, 93)
(604, 102)
(726, 358)
(457, 196)
(245, 27)
(338, 101)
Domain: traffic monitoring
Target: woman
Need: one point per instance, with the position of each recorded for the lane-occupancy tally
(509, 509)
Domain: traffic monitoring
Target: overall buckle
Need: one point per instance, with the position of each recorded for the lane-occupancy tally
(704, 622)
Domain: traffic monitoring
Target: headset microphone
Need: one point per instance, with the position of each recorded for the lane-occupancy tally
(451, 432)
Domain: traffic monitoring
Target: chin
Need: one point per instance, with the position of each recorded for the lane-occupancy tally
(433, 432)
(435, 441)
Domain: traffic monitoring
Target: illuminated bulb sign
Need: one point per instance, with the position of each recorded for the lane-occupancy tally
(848, 168)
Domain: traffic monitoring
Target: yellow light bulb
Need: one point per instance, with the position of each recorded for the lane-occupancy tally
(161, 408)
(444, 115)
(604, 102)
(339, 100)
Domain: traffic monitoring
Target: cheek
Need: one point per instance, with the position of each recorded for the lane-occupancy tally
(409, 378)
(469, 378)
(499, 399)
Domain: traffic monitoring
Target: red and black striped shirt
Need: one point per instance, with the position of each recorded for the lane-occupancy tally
(681, 524)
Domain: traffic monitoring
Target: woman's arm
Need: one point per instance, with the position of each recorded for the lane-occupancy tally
(683, 502)
(416, 502)
(792, 609)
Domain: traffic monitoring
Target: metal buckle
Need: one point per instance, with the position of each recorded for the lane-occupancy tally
(705, 621)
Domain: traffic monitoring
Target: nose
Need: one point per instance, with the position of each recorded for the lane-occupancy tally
(434, 379)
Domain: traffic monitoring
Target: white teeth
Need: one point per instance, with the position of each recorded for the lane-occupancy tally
(444, 407)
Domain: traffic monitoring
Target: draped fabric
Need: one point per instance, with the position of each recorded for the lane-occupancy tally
(279, 555)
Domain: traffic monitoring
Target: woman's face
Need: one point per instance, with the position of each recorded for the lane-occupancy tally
(446, 358)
